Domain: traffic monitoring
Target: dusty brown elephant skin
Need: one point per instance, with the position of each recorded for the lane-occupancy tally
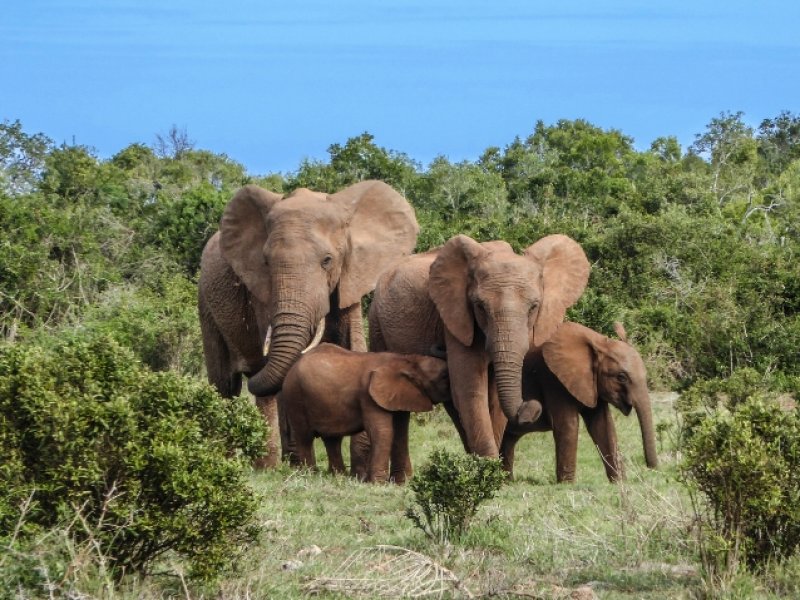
(282, 265)
(576, 374)
(331, 392)
(485, 306)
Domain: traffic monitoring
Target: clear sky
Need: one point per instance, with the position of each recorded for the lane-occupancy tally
(271, 82)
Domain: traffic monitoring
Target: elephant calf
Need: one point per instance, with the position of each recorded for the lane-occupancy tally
(332, 392)
(578, 373)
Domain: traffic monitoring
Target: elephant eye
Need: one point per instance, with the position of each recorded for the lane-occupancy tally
(622, 377)
(327, 261)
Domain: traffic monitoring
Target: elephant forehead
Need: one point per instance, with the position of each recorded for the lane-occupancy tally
(312, 208)
(627, 358)
(506, 270)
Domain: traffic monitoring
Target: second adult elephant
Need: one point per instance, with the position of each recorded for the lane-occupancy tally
(485, 306)
(279, 266)
(576, 374)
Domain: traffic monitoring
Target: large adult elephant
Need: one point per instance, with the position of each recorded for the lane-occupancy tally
(280, 265)
(576, 374)
(485, 306)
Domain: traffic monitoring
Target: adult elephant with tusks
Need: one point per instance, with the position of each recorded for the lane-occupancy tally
(485, 306)
(282, 269)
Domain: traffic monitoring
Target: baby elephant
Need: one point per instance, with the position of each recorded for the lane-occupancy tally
(331, 392)
(576, 374)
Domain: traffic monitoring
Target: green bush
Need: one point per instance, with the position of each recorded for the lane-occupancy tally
(157, 320)
(154, 463)
(448, 490)
(746, 464)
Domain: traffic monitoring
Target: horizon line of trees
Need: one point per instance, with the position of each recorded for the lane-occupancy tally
(694, 249)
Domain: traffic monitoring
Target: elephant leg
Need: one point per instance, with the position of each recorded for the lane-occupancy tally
(507, 449)
(451, 410)
(600, 425)
(268, 405)
(333, 446)
(469, 386)
(379, 428)
(359, 455)
(401, 468)
(565, 419)
(345, 327)
(498, 418)
(288, 446)
(219, 367)
(304, 456)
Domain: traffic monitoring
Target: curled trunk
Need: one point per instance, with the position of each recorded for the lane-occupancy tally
(290, 336)
(508, 353)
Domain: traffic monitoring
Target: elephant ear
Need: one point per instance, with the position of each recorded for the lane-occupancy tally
(392, 390)
(565, 273)
(570, 355)
(619, 329)
(447, 286)
(382, 230)
(243, 233)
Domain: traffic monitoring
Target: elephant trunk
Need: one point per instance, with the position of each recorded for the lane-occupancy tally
(645, 415)
(292, 330)
(507, 358)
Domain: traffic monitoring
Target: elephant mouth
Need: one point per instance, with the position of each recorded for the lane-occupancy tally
(320, 330)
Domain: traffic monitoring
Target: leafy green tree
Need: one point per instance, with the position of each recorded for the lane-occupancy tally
(732, 151)
(358, 159)
(182, 224)
(22, 158)
(779, 141)
(462, 188)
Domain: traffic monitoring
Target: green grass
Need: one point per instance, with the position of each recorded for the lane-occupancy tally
(535, 536)
(534, 539)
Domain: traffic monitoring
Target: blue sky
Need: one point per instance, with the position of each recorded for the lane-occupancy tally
(269, 83)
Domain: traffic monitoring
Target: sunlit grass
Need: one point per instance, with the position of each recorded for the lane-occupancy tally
(624, 540)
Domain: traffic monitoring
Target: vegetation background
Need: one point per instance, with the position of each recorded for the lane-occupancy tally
(694, 249)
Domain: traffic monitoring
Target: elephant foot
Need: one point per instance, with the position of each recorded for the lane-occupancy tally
(268, 461)
(529, 412)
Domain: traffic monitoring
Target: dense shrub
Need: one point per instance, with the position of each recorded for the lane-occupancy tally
(448, 491)
(742, 452)
(156, 319)
(155, 463)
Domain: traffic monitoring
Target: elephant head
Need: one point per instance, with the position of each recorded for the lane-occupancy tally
(414, 384)
(593, 367)
(512, 301)
(297, 255)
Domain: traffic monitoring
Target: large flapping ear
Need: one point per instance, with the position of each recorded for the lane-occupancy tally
(243, 233)
(619, 329)
(447, 286)
(565, 273)
(382, 230)
(392, 390)
(570, 354)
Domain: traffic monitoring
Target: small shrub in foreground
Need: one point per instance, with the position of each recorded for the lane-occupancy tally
(448, 490)
(153, 463)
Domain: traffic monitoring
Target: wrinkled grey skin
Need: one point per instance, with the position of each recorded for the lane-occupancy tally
(283, 265)
(485, 305)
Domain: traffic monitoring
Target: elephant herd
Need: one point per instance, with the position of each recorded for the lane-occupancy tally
(473, 326)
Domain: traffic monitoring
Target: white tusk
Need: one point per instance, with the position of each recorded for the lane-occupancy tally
(267, 340)
(317, 337)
